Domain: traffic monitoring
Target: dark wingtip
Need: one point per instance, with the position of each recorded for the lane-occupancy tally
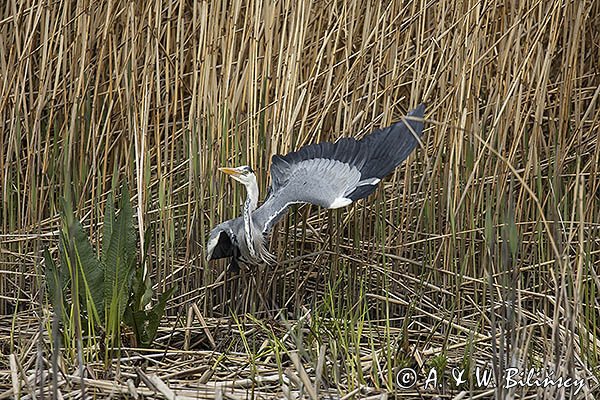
(419, 111)
(416, 119)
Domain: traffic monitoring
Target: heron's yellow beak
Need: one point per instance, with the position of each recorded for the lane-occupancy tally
(229, 171)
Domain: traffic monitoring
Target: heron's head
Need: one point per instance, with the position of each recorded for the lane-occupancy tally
(243, 174)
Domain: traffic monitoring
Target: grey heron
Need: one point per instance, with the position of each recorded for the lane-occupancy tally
(330, 175)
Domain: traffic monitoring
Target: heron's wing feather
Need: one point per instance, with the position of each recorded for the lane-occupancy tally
(219, 245)
(333, 175)
(222, 240)
(316, 181)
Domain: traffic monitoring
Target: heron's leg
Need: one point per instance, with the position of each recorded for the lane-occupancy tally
(234, 266)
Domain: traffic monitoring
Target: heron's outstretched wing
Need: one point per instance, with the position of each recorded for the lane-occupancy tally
(333, 175)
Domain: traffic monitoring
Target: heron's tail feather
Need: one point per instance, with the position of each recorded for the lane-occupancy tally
(260, 245)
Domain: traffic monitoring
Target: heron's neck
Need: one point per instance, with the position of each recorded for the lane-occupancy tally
(249, 206)
(252, 198)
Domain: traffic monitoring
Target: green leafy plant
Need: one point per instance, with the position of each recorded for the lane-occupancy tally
(104, 292)
(143, 318)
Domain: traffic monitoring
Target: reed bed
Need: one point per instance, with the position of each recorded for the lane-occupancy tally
(481, 251)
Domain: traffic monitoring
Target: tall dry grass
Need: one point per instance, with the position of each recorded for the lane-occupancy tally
(482, 249)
